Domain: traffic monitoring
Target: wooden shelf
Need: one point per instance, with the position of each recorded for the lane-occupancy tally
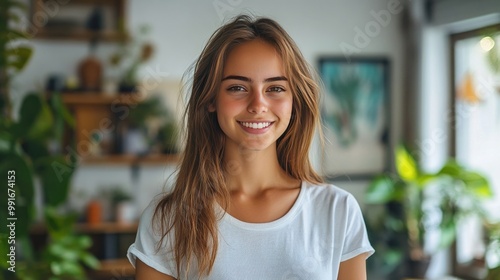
(67, 21)
(107, 227)
(86, 228)
(132, 159)
(80, 35)
(96, 98)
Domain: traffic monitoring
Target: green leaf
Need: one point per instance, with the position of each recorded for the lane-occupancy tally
(381, 190)
(447, 236)
(62, 115)
(6, 139)
(35, 118)
(18, 57)
(35, 149)
(4, 250)
(23, 189)
(84, 241)
(89, 260)
(406, 165)
(475, 182)
(12, 35)
(56, 268)
(393, 257)
(55, 175)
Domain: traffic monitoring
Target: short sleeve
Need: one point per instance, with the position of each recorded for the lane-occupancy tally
(356, 237)
(145, 246)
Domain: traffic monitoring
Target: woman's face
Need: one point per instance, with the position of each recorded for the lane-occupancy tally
(254, 103)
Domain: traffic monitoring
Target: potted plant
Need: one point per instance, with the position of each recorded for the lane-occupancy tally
(492, 256)
(167, 138)
(146, 121)
(122, 204)
(29, 153)
(405, 207)
(129, 57)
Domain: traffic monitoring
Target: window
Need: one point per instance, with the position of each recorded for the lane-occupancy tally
(476, 130)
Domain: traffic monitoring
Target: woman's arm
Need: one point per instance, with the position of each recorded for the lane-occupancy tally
(353, 269)
(145, 272)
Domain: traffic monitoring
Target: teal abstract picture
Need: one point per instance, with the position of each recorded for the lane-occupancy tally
(355, 112)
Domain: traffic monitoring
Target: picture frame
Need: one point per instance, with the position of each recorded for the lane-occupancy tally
(355, 112)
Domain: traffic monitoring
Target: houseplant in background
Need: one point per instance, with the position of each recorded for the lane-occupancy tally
(25, 148)
(28, 155)
(14, 51)
(493, 251)
(131, 54)
(149, 128)
(406, 211)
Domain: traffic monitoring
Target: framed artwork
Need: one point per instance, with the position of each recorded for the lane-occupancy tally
(356, 116)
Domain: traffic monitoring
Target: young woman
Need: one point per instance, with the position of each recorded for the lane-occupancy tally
(246, 203)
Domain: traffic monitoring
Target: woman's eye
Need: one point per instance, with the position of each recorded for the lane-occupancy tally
(276, 89)
(236, 88)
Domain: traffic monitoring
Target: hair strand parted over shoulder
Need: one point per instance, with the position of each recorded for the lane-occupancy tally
(188, 211)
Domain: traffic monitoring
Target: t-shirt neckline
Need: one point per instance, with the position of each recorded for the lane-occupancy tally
(283, 220)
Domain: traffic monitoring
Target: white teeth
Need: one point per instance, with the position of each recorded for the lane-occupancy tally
(259, 125)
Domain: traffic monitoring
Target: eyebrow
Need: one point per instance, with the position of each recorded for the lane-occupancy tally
(246, 79)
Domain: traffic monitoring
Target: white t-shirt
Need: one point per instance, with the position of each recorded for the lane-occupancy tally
(323, 228)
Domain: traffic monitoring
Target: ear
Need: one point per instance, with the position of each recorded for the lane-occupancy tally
(211, 108)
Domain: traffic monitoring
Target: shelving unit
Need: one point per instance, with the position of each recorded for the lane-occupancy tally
(109, 242)
(65, 20)
(96, 112)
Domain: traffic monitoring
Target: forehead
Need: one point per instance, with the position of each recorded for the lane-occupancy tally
(255, 58)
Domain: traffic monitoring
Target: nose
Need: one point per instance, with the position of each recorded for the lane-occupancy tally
(258, 103)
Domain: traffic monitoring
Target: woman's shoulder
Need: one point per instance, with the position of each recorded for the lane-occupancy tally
(326, 189)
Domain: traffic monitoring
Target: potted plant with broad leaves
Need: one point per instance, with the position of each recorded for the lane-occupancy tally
(26, 149)
(406, 205)
(28, 155)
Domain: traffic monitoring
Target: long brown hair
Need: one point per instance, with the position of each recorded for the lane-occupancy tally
(188, 210)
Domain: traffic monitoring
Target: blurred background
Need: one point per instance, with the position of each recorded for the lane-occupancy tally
(92, 96)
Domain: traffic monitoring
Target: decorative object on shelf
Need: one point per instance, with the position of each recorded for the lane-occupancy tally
(129, 57)
(149, 128)
(356, 113)
(123, 205)
(90, 69)
(399, 224)
(167, 138)
(94, 212)
(65, 20)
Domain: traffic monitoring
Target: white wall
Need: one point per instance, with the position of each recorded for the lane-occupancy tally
(181, 28)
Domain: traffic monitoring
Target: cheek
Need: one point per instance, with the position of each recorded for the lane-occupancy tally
(227, 108)
(285, 108)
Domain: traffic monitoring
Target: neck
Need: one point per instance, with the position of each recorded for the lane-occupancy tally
(252, 172)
